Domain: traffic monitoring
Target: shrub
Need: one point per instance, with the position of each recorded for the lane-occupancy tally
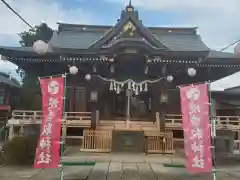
(20, 150)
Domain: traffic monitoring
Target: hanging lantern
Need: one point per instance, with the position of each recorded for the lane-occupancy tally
(169, 78)
(237, 50)
(40, 47)
(73, 70)
(111, 60)
(191, 72)
(88, 77)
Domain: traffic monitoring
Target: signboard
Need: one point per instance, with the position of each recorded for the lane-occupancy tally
(196, 126)
(48, 149)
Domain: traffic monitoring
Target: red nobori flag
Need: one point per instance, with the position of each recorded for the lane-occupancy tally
(196, 127)
(47, 152)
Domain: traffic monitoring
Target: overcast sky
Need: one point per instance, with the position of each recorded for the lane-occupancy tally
(217, 20)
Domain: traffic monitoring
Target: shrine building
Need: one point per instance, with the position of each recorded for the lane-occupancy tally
(122, 89)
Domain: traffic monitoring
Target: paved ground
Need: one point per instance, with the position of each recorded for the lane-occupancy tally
(114, 171)
(124, 167)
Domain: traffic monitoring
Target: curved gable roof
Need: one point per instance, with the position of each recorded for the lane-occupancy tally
(11, 81)
(82, 36)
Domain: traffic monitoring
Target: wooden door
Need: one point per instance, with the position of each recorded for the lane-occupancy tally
(70, 99)
(80, 100)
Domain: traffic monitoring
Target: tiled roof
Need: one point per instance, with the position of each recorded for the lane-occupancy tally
(226, 82)
(6, 79)
(219, 55)
(82, 36)
(74, 40)
(182, 42)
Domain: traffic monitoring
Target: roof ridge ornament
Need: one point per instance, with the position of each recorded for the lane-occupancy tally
(130, 3)
(129, 7)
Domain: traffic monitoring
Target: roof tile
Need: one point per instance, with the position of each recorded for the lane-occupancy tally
(174, 41)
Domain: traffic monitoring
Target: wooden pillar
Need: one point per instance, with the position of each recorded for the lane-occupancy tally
(238, 142)
(11, 132)
(163, 104)
(158, 120)
(21, 131)
(154, 105)
(94, 109)
(214, 108)
(128, 108)
(162, 117)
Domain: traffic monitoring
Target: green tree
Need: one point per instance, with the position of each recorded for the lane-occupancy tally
(29, 96)
(40, 32)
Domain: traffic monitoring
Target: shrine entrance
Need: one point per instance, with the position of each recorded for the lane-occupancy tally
(120, 102)
(137, 106)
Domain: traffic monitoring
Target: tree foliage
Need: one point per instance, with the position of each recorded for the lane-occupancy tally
(29, 96)
(40, 32)
(19, 151)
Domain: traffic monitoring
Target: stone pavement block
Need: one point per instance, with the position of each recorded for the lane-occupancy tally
(177, 160)
(115, 171)
(159, 159)
(70, 173)
(146, 171)
(161, 172)
(136, 158)
(130, 171)
(17, 173)
(230, 175)
(99, 172)
(77, 172)
(48, 174)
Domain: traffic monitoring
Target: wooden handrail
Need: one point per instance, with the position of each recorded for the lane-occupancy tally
(35, 117)
(222, 122)
(84, 118)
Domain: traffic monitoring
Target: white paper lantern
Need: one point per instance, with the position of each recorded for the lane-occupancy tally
(169, 78)
(111, 60)
(40, 47)
(73, 70)
(88, 77)
(191, 72)
(237, 50)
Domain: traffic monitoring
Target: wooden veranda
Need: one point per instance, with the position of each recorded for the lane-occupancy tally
(100, 139)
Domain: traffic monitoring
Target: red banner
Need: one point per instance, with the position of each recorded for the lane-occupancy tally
(196, 126)
(48, 149)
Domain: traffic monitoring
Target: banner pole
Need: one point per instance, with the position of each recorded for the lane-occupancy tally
(63, 128)
(213, 133)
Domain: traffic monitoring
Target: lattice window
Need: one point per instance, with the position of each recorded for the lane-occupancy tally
(80, 94)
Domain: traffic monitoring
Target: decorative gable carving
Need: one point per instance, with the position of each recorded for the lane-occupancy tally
(128, 31)
(129, 27)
